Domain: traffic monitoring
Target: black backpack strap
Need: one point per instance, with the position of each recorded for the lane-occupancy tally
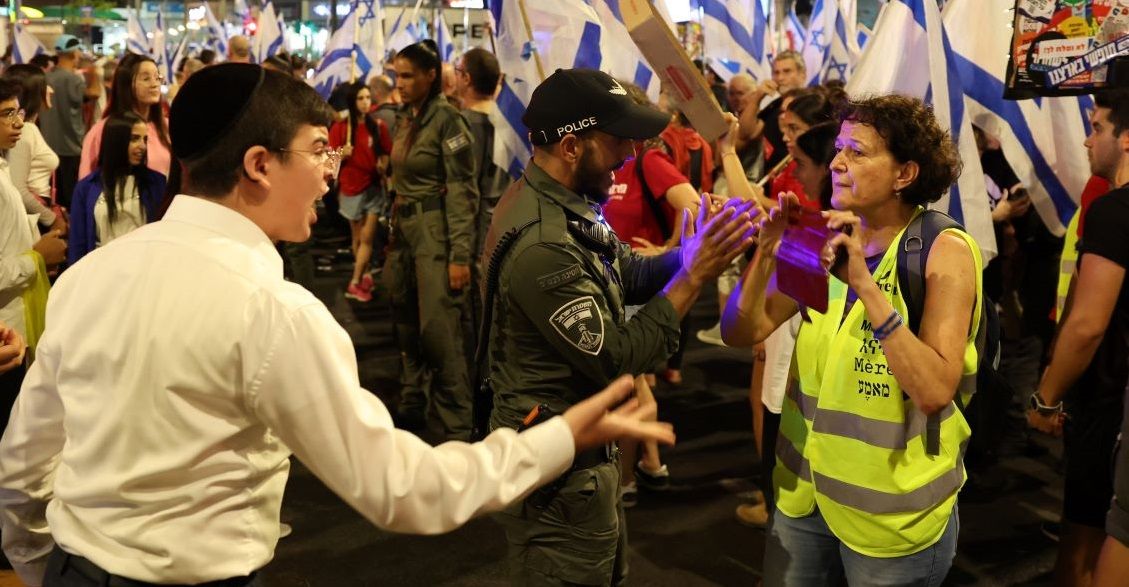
(649, 196)
(913, 254)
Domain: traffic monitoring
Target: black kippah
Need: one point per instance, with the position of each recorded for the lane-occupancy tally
(209, 105)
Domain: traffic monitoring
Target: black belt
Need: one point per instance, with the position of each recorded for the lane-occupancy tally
(98, 576)
(409, 209)
(594, 457)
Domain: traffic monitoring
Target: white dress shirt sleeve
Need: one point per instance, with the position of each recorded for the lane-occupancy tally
(29, 453)
(307, 391)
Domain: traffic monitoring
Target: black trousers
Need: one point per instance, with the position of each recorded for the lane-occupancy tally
(69, 570)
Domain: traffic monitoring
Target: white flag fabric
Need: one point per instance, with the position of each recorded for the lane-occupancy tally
(137, 40)
(1041, 139)
(357, 44)
(268, 37)
(795, 33)
(241, 9)
(910, 54)
(736, 38)
(216, 32)
(443, 38)
(25, 45)
(159, 50)
(178, 55)
(831, 46)
(403, 33)
(565, 34)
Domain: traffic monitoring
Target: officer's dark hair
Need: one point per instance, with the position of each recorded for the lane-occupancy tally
(272, 118)
(33, 86)
(424, 56)
(910, 130)
(9, 89)
(482, 68)
(1117, 101)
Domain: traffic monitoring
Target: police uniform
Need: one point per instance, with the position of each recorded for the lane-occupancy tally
(433, 176)
(560, 330)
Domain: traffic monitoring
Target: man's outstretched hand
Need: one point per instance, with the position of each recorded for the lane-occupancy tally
(605, 417)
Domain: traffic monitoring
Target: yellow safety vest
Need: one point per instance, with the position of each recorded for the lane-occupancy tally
(1067, 264)
(852, 444)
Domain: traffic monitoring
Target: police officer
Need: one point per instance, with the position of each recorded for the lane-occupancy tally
(428, 266)
(558, 282)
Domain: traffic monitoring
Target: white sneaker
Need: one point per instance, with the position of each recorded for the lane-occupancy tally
(712, 335)
(284, 530)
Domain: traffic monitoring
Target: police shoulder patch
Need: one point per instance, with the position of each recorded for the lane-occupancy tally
(559, 278)
(457, 143)
(581, 323)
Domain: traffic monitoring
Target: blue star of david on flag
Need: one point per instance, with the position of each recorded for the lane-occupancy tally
(839, 67)
(368, 14)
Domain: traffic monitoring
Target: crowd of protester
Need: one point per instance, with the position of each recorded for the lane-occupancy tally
(87, 154)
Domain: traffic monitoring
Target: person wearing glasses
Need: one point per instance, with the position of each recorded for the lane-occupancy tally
(121, 195)
(427, 271)
(24, 255)
(31, 161)
(150, 442)
(136, 88)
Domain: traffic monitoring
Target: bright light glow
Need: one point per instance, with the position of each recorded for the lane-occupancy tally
(173, 32)
(149, 35)
(321, 10)
(198, 13)
(180, 27)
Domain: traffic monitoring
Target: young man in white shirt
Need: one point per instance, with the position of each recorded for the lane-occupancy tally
(150, 442)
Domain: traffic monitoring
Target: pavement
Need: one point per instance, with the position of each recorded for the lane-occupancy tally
(687, 536)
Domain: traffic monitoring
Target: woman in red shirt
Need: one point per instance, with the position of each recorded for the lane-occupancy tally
(365, 142)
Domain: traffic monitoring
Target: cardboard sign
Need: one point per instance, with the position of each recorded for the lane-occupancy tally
(681, 80)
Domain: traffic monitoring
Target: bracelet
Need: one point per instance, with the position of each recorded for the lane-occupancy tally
(1036, 403)
(889, 326)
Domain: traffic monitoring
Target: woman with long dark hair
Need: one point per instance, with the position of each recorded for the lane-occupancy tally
(427, 271)
(121, 195)
(365, 144)
(136, 88)
(32, 161)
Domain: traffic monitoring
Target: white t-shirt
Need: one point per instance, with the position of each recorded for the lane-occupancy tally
(130, 213)
(778, 349)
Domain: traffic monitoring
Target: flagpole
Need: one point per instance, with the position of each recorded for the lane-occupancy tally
(352, 70)
(415, 13)
(466, 27)
(532, 44)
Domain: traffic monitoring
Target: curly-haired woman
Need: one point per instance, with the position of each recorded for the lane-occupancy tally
(858, 487)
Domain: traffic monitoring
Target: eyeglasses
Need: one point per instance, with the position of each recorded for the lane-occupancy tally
(145, 79)
(12, 115)
(328, 158)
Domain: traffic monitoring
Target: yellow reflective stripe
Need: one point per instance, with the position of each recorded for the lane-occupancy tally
(876, 502)
(791, 458)
(879, 433)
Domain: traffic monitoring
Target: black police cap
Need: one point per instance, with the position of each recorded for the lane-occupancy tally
(209, 105)
(575, 100)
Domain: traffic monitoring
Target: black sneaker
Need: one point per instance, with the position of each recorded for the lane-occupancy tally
(652, 480)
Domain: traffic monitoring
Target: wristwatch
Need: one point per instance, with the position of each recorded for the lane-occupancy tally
(1036, 403)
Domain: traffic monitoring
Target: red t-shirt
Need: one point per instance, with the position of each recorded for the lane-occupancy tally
(786, 182)
(626, 211)
(358, 171)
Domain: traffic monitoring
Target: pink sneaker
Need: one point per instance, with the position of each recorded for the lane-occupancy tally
(356, 292)
(366, 282)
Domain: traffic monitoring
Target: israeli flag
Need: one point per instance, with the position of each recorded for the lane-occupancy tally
(402, 34)
(137, 40)
(179, 55)
(795, 33)
(352, 47)
(565, 34)
(443, 38)
(159, 49)
(831, 47)
(910, 54)
(25, 45)
(619, 56)
(283, 33)
(268, 40)
(217, 34)
(241, 9)
(737, 38)
(1041, 138)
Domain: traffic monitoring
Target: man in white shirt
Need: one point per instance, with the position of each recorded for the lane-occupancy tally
(150, 442)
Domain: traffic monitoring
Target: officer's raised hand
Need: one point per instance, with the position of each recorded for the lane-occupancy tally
(605, 417)
(709, 244)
